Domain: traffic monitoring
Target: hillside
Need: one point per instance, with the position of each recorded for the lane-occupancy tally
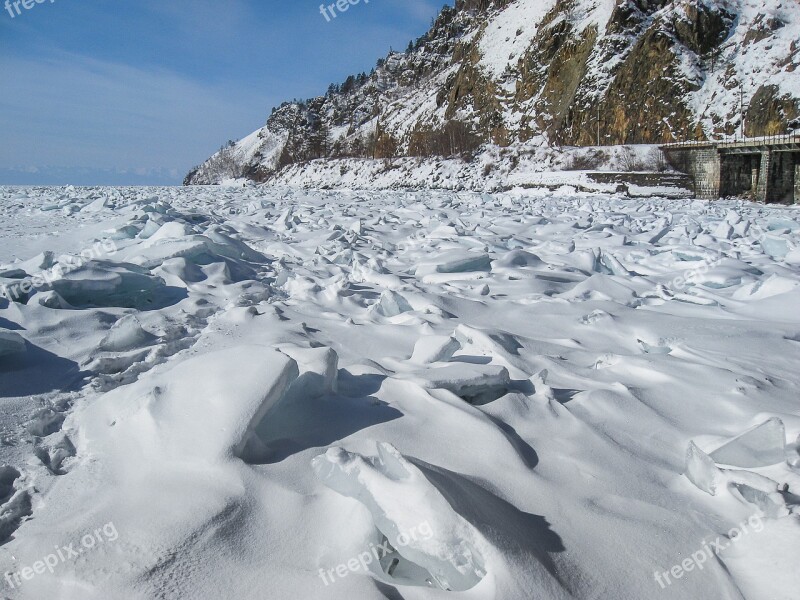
(515, 76)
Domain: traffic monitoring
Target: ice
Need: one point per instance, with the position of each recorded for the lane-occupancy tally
(15, 502)
(435, 348)
(126, 334)
(475, 383)
(542, 403)
(793, 454)
(392, 304)
(39, 263)
(150, 228)
(776, 247)
(319, 369)
(106, 283)
(55, 453)
(11, 343)
(519, 258)
(401, 500)
(702, 471)
(8, 475)
(750, 488)
(758, 492)
(170, 230)
(760, 446)
(480, 262)
(199, 414)
(455, 262)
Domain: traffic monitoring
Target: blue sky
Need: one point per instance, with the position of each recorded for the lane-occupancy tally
(133, 92)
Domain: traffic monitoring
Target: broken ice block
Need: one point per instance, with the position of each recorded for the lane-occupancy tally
(104, 283)
(475, 383)
(402, 501)
(770, 503)
(775, 247)
(701, 470)
(455, 261)
(759, 446)
(435, 348)
(759, 491)
(392, 304)
(479, 262)
(319, 370)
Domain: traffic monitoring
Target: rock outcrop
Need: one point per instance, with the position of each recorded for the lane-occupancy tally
(561, 72)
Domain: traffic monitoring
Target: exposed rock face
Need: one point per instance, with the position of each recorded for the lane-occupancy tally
(563, 72)
(770, 111)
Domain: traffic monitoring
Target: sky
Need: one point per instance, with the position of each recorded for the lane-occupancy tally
(135, 92)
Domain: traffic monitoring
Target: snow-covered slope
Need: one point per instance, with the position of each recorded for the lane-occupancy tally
(550, 73)
(213, 393)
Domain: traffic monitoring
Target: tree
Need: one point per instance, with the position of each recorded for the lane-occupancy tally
(349, 84)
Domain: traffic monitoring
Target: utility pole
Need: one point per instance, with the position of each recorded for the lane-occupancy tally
(741, 111)
(598, 122)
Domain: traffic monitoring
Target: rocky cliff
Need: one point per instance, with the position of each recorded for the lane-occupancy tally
(511, 73)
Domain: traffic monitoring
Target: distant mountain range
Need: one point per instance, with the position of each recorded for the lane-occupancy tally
(509, 74)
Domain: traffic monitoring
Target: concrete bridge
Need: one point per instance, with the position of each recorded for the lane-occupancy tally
(765, 168)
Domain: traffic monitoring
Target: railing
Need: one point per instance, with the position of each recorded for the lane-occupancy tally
(727, 142)
(767, 140)
(688, 144)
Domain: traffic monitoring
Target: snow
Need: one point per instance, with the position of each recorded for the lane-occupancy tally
(531, 165)
(11, 343)
(747, 63)
(520, 394)
(508, 36)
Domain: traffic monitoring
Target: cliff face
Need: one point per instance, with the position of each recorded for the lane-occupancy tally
(562, 72)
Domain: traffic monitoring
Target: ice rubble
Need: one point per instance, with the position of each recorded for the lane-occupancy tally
(475, 383)
(760, 446)
(106, 283)
(401, 499)
(542, 357)
(15, 503)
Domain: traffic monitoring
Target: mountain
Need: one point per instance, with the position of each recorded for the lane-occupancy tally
(498, 76)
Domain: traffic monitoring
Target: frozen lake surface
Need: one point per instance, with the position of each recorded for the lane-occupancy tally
(260, 392)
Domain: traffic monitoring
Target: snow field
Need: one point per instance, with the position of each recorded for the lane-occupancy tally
(570, 392)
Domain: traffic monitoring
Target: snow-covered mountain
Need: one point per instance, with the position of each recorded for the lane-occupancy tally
(495, 74)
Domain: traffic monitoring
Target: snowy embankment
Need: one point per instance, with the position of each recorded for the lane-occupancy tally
(310, 394)
(641, 170)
